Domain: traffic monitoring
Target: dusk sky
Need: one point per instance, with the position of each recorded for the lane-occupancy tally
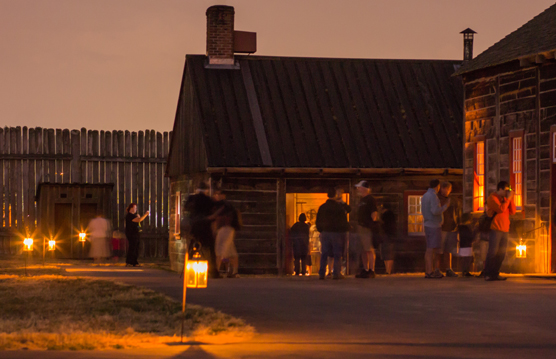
(117, 64)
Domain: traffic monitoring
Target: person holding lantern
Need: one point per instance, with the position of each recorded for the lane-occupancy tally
(500, 207)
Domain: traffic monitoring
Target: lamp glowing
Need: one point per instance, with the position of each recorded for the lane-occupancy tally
(51, 245)
(82, 236)
(521, 250)
(196, 272)
(28, 244)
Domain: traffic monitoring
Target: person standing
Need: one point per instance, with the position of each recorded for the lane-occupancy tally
(132, 220)
(387, 247)
(367, 215)
(432, 211)
(451, 217)
(200, 208)
(99, 228)
(332, 224)
(347, 208)
(500, 207)
(299, 234)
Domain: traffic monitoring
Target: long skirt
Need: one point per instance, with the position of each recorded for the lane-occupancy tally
(99, 248)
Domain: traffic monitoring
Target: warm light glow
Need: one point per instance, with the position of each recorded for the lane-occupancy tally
(521, 251)
(28, 244)
(51, 245)
(197, 273)
(82, 236)
(479, 184)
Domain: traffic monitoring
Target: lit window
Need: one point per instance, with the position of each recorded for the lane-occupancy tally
(414, 216)
(479, 185)
(517, 174)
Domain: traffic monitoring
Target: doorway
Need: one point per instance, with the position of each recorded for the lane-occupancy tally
(308, 203)
(63, 229)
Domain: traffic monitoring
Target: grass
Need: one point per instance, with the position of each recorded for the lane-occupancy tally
(57, 312)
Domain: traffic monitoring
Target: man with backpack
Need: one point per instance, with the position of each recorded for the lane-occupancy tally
(500, 206)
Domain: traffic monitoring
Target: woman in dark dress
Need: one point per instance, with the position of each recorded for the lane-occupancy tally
(132, 220)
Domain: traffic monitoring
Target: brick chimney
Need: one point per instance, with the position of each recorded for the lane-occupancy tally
(220, 35)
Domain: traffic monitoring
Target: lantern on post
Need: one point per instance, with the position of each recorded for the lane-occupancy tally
(521, 250)
(27, 247)
(82, 238)
(51, 245)
(196, 269)
(28, 244)
(195, 273)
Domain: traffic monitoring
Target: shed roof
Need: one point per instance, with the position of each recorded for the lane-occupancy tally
(328, 113)
(535, 37)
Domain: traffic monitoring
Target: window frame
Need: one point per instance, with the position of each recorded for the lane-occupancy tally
(476, 177)
(407, 195)
(517, 135)
(177, 228)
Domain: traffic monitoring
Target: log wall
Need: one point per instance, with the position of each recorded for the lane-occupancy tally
(133, 161)
(508, 99)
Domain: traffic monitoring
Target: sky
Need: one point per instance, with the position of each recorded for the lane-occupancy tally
(117, 64)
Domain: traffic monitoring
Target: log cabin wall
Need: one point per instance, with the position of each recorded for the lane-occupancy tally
(261, 243)
(499, 102)
(132, 161)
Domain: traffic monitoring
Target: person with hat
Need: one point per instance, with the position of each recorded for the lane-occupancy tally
(367, 215)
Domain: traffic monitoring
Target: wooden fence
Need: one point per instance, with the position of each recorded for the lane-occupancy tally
(133, 161)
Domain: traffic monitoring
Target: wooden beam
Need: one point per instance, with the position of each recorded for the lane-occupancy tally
(347, 171)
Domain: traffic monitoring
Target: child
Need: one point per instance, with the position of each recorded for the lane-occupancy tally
(117, 246)
(299, 234)
(466, 237)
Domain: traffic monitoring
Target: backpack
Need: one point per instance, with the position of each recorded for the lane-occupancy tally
(485, 222)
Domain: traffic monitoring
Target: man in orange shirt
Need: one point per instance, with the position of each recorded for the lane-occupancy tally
(500, 206)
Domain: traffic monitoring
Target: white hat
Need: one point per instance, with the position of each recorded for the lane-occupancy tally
(363, 184)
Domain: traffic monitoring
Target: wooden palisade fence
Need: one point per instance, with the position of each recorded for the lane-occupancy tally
(134, 162)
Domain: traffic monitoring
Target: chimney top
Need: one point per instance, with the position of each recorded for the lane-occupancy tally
(220, 8)
(220, 35)
(468, 31)
(468, 35)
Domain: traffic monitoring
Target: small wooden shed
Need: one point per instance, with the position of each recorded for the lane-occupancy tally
(65, 209)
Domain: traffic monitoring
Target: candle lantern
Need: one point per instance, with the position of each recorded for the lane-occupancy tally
(28, 244)
(82, 236)
(51, 245)
(196, 270)
(521, 250)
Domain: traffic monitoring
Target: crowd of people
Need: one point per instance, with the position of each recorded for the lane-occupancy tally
(212, 223)
(449, 233)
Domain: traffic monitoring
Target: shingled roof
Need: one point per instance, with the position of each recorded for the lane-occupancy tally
(325, 113)
(535, 37)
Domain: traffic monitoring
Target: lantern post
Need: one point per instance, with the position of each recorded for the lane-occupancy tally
(27, 247)
(82, 236)
(195, 274)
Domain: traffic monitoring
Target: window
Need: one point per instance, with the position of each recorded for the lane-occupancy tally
(178, 212)
(517, 170)
(479, 184)
(414, 216)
